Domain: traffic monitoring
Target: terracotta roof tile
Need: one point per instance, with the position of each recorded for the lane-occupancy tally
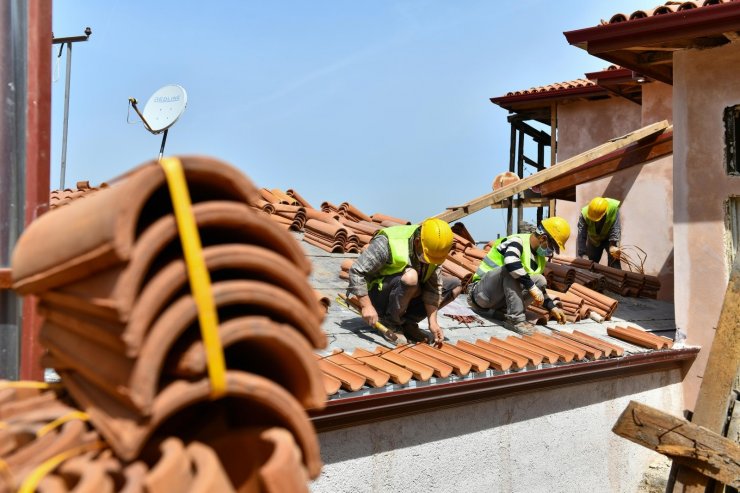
(667, 8)
(554, 87)
(59, 198)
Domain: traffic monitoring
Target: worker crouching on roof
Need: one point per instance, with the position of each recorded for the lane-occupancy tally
(511, 274)
(398, 278)
(599, 230)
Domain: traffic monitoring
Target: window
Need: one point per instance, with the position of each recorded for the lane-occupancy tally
(733, 229)
(732, 139)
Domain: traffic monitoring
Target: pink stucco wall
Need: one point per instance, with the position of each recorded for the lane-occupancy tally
(645, 191)
(705, 83)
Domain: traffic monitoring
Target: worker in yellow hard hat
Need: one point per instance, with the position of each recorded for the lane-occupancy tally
(510, 275)
(398, 278)
(599, 230)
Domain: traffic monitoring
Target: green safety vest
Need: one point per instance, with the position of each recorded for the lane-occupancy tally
(596, 237)
(398, 240)
(496, 259)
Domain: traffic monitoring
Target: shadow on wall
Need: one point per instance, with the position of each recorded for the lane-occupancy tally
(666, 279)
(619, 186)
(408, 431)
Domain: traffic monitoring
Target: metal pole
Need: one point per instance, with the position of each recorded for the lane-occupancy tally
(161, 148)
(66, 115)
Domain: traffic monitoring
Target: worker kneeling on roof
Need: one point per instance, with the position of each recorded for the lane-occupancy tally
(511, 274)
(599, 230)
(399, 279)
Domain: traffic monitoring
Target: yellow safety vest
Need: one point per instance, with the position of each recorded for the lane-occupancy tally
(496, 259)
(596, 237)
(398, 240)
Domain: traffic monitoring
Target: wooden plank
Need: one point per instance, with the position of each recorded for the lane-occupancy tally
(548, 174)
(637, 153)
(711, 406)
(687, 444)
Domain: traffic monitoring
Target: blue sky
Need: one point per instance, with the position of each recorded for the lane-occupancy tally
(383, 104)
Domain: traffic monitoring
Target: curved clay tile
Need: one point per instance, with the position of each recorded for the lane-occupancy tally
(607, 347)
(495, 360)
(617, 18)
(441, 369)
(380, 218)
(374, 377)
(209, 474)
(518, 360)
(135, 381)
(250, 400)
(116, 290)
(534, 359)
(591, 352)
(547, 356)
(420, 371)
(86, 475)
(398, 374)
(331, 384)
(477, 364)
(258, 345)
(564, 355)
(273, 461)
(172, 470)
(292, 193)
(664, 9)
(90, 235)
(579, 353)
(688, 6)
(460, 366)
(351, 380)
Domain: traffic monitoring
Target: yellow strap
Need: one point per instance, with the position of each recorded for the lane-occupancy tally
(200, 281)
(34, 478)
(27, 384)
(61, 420)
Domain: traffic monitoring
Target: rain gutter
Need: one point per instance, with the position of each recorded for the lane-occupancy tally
(353, 411)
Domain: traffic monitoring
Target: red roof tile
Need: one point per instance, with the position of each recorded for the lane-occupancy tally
(666, 8)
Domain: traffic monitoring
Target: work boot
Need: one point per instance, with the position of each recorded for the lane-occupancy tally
(523, 327)
(413, 333)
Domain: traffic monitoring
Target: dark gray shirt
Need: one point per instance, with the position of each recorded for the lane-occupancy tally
(615, 234)
(377, 255)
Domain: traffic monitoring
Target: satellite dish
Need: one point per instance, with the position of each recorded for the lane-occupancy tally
(162, 110)
(164, 107)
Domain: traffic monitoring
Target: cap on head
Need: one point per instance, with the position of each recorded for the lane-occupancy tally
(558, 229)
(597, 208)
(436, 240)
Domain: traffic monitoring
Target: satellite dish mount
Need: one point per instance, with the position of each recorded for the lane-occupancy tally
(162, 110)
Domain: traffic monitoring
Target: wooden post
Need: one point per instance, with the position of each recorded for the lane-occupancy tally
(719, 375)
(705, 452)
(553, 149)
(512, 168)
(520, 172)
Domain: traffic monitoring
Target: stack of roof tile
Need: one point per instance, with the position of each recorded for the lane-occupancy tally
(121, 326)
(603, 277)
(571, 304)
(640, 337)
(38, 425)
(354, 371)
(594, 301)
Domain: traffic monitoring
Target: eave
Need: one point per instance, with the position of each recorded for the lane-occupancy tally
(646, 44)
(353, 411)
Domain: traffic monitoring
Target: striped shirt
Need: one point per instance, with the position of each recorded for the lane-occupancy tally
(378, 253)
(512, 249)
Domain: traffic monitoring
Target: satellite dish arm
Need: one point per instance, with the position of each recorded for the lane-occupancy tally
(133, 103)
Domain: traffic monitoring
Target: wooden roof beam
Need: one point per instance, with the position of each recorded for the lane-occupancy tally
(458, 212)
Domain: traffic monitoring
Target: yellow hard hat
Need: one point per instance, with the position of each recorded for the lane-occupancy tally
(436, 240)
(558, 229)
(597, 208)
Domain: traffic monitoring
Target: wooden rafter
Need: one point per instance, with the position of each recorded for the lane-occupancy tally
(457, 212)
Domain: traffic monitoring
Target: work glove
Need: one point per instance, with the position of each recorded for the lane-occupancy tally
(615, 252)
(539, 298)
(558, 314)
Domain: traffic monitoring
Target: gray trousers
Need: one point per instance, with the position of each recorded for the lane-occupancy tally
(497, 289)
(595, 252)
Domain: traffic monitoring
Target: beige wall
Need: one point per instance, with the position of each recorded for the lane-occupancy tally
(705, 83)
(645, 191)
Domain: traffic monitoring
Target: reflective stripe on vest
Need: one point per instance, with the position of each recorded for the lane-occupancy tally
(611, 215)
(398, 241)
(495, 258)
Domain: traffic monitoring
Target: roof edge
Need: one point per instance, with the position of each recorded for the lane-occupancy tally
(352, 411)
(549, 95)
(712, 19)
